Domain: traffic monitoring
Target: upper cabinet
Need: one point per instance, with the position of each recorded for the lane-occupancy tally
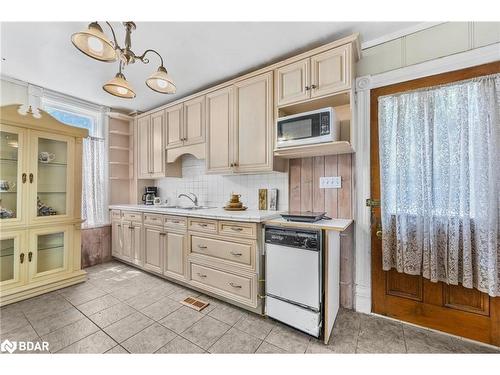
(151, 162)
(239, 126)
(186, 123)
(323, 74)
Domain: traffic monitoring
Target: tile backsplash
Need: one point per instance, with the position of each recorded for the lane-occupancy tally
(214, 190)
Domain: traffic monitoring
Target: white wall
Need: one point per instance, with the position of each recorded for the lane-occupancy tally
(12, 92)
(214, 190)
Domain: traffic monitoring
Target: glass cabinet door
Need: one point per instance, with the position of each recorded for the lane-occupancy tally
(52, 178)
(48, 253)
(11, 174)
(12, 259)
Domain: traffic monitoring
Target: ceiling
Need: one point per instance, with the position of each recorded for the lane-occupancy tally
(196, 54)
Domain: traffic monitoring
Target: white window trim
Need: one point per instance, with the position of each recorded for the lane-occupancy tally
(478, 56)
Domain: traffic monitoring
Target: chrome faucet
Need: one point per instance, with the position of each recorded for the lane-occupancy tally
(195, 200)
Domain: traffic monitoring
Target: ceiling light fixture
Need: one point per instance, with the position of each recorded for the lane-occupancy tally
(94, 43)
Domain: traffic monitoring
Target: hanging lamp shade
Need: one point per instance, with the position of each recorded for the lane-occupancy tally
(119, 86)
(94, 43)
(160, 81)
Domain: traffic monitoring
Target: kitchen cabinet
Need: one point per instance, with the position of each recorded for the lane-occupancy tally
(175, 255)
(150, 150)
(154, 243)
(116, 239)
(239, 126)
(40, 196)
(220, 131)
(186, 123)
(320, 75)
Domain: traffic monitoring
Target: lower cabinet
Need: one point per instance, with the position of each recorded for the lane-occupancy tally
(175, 255)
(154, 244)
(132, 247)
(116, 239)
(13, 259)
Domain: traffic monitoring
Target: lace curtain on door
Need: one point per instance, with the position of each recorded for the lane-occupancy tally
(94, 185)
(440, 178)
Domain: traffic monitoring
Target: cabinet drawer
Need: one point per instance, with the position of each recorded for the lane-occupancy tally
(116, 214)
(152, 219)
(232, 251)
(132, 216)
(175, 222)
(237, 229)
(237, 285)
(203, 225)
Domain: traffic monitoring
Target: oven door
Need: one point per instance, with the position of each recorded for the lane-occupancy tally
(293, 275)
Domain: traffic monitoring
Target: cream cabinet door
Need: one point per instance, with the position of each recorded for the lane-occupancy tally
(51, 177)
(174, 118)
(220, 131)
(194, 121)
(253, 126)
(175, 263)
(49, 251)
(330, 71)
(143, 145)
(116, 238)
(154, 243)
(127, 241)
(13, 173)
(157, 150)
(292, 82)
(13, 259)
(137, 248)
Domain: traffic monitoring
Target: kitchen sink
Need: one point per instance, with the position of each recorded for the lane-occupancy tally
(190, 208)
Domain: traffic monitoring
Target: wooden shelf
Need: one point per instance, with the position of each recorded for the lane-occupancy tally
(330, 148)
(117, 132)
(119, 163)
(119, 148)
(119, 178)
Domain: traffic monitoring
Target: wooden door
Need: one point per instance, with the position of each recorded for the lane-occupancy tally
(157, 149)
(194, 121)
(154, 244)
(174, 135)
(13, 259)
(143, 145)
(49, 251)
(253, 124)
(454, 309)
(331, 71)
(175, 255)
(116, 239)
(292, 82)
(220, 131)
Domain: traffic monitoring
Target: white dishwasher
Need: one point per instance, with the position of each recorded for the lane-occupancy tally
(294, 291)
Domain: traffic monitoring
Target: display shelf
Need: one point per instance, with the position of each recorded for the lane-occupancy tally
(52, 163)
(119, 163)
(117, 132)
(51, 247)
(119, 148)
(12, 160)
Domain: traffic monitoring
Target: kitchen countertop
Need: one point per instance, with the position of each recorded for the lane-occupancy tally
(339, 225)
(255, 216)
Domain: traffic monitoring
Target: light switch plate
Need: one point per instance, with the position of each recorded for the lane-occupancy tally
(330, 182)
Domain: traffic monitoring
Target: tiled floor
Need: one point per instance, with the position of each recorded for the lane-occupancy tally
(121, 309)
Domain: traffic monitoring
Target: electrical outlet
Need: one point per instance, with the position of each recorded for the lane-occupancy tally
(330, 182)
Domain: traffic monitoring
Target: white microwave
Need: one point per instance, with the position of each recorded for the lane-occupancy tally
(306, 128)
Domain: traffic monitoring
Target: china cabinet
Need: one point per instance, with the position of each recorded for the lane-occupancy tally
(40, 203)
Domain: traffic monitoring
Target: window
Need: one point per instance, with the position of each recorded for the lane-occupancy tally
(94, 182)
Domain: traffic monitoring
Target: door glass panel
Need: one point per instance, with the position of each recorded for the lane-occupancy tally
(6, 259)
(50, 252)
(52, 170)
(8, 174)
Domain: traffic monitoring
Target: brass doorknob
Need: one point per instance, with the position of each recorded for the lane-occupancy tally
(378, 234)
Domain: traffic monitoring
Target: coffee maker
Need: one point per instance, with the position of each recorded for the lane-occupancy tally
(151, 192)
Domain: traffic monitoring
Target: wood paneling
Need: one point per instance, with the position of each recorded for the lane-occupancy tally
(305, 195)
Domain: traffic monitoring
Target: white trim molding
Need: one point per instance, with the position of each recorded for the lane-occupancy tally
(478, 56)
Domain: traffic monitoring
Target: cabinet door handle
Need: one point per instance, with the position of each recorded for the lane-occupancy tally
(163, 234)
(21, 258)
(236, 254)
(237, 229)
(202, 246)
(234, 285)
(24, 178)
(313, 86)
(307, 88)
(30, 256)
(31, 178)
(203, 225)
(201, 275)
(175, 221)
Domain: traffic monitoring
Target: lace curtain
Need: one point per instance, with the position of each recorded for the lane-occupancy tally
(440, 178)
(94, 184)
